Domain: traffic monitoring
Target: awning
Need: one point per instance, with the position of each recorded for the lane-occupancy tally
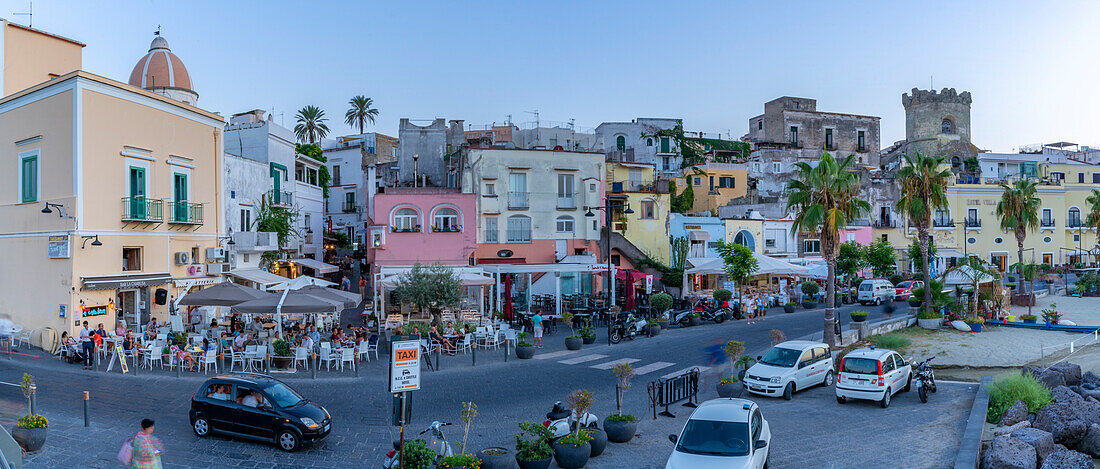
(259, 277)
(188, 282)
(946, 253)
(222, 294)
(698, 235)
(295, 302)
(104, 282)
(765, 265)
(316, 265)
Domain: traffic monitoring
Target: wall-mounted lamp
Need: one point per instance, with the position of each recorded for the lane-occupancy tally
(86, 238)
(60, 209)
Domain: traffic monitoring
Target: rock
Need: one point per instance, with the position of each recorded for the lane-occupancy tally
(1075, 388)
(1090, 380)
(1093, 394)
(1068, 459)
(1052, 379)
(1064, 421)
(1065, 394)
(1056, 448)
(1011, 428)
(1042, 441)
(1006, 452)
(1015, 414)
(1070, 371)
(1035, 371)
(1090, 443)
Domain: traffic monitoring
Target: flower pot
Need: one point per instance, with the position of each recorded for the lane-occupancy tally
(727, 390)
(31, 439)
(915, 303)
(540, 464)
(282, 363)
(588, 340)
(598, 441)
(857, 317)
(573, 343)
(571, 456)
(495, 457)
(620, 432)
(788, 309)
(975, 326)
(809, 304)
(932, 324)
(1029, 321)
(663, 323)
(525, 351)
(654, 330)
(695, 321)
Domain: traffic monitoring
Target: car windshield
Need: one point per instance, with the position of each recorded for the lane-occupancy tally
(783, 357)
(904, 284)
(714, 438)
(863, 366)
(283, 395)
(865, 286)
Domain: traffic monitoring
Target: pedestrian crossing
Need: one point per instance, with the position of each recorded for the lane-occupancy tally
(611, 364)
(582, 359)
(685, 370)
(574, 357)
(646, 369)
(558, 354)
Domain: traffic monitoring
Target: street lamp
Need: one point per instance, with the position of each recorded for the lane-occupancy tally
(608, 207)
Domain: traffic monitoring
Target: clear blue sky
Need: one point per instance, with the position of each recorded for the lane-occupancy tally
(1030, 67)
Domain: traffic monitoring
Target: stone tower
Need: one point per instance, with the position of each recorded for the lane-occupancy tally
(938, 123)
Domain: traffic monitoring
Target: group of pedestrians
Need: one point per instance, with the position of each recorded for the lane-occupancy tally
(754, 306)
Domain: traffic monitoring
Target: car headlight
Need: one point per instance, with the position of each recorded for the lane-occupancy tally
(775, 379)
(327, 415)
(309, 422)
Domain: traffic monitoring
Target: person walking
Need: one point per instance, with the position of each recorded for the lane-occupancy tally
(536, 326)
(345, 283)
(147, 448)
(87, 346)
(362, 287)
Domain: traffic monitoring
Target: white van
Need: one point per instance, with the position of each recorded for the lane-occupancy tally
(875, 291)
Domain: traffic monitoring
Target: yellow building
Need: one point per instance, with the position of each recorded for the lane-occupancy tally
(635, 184)
(714, 184)
(30, 57)
(746, 231)
(112, 199)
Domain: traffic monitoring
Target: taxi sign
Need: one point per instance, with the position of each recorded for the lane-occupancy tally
(405, 366)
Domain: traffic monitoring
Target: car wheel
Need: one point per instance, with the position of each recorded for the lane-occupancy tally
(201, 426)
(288, 440)
(788, 391)
(908, 384)
(841, 399)
(828, 382)
(885, 402)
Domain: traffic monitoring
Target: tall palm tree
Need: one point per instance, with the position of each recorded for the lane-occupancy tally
(361, 110)
(1019, 212)
(922, 181)
(311, 124)
(824, 199)
(1093, 218)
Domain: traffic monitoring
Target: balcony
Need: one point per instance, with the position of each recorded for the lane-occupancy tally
(256, 241)
(860, 222)
(1046, 223)
(943, 223)
(567, 203)
(973, 223)
(519, 200)
(141, 209)
(276, 198)
(655, 186)
(447, 229)
(349, 206)
(886, 224)
(620, 156)
(185, 213)
(1074, 223)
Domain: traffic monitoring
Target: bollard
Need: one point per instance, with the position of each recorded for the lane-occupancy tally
(356, 366)
(505, 350)
(473, 353)
(34, 397)
(179, 366)
(318, 363)
(87, 422)
(437, 355)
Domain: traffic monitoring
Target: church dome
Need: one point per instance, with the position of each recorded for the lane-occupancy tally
(162, 72)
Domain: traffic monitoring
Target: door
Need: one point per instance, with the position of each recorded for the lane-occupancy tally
(805, 369)
(897, 374)
(128, 308)
(634, 176)
(559, 249)
(254, 421)
(756, 432)
(821, 365)
(137, 193)
(218, 412)
(179, 194)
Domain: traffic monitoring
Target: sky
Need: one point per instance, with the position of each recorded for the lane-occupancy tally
(1031, 67)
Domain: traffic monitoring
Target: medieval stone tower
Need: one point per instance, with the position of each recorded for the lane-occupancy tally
(938, 123)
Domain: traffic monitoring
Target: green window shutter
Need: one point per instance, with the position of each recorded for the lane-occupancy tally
(30, 178)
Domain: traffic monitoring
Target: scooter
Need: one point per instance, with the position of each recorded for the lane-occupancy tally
(561, 420)
(626, 327)
(713, 314)
(924, 379)
(437, 442)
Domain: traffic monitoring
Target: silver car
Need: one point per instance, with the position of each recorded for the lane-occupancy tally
(722, 433)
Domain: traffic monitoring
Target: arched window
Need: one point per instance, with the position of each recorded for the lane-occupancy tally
(406, 219)
(1073, 220)
(955, 162)
(519, 229)
(947, 127)
(745, 238)
(565, 224)
(620, 143)
(446, 219)
(649, 142)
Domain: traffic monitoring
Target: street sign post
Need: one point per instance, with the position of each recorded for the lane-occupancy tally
(404, 377)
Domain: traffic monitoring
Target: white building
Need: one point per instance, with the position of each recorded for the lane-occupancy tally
(635, 141)
(564, 136)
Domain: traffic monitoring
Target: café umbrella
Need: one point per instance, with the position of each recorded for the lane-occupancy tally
(348, 299)
(222, 294)
(290, 301)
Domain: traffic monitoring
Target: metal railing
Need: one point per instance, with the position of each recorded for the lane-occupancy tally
(1046, 223)
(886, 224)
(185, 213)
(279, 198)
(1074, 223)
(973, 223)
(519, 199)
(567, 203)
(943, 223)
(519, 235)
(349, 206)
(665, 392)
(142, 209)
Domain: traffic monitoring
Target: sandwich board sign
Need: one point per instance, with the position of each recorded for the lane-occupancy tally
(405, 366)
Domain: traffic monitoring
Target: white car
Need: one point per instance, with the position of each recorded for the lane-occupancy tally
(872, 374)
(875, 291)
(722, 433)
(790, 366)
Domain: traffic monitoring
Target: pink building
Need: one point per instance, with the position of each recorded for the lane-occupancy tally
(425, 224)
(859, 234)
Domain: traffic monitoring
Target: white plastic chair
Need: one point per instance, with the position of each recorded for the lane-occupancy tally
(347, 355)
(372, 346)
(492, 339)
(301, 355)
(363, 350)
(256, 355)
(327, 356)
(235, 357)
(153, 354)
(209, 358)
(465, 344)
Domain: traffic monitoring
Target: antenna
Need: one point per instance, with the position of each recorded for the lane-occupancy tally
(157, 32)
(29, 14)
(538, 141)
(930, 86)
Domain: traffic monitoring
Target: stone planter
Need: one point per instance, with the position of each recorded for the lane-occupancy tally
(663, 323)
(654, 330)
(809, 304)
(31, 439)
(620, 432)
(571, 456)
(1028, 321)
(282, 363)
(598, 441)
(857, 317)
(727, 390)
(695, 321)
(495, 457)
(932, 324)
(525, 351)
(588, 340)
(573, 343)
(788, 309)
(541, 464)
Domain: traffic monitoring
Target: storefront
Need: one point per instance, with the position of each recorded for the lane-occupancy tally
(132, 298)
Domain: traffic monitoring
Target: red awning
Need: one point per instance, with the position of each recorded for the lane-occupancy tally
(634, 275)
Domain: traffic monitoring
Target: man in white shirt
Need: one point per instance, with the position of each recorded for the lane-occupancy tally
(87, 345)
(254, 399)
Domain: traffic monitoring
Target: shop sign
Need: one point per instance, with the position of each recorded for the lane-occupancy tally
(58, 247)
(90, 311)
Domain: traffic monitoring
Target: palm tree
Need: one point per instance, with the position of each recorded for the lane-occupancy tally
(361, 110)
(922, 181)
(1093, 218)
(975, 274)
(824, 198)
(1019, 212)
(311, 124)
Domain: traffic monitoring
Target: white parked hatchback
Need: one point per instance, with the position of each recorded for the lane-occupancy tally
(875, 291)
(790, 366)
(722, 433)
(872, 374)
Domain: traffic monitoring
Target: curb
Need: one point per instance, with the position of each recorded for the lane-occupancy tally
(971, 442)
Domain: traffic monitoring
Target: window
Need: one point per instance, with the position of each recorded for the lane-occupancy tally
(726, 182)
(649, 210)
(1047, 218)
(1048, 258)
(794, 136)
(1077, 237)
(406, 219)
(759, 125)
(336, 175)
(615, 259)
(1073, 218)
(649, 142)
(595, 225)
(696, 181)
(311, 176)
(565, 224)
(308, 224)
(666, 164)
(756, 167)
(28, 176)
(1096, 178)
(941, 218)
(565, 191)
(946, 127)
(446, 220)
(131, 259)
(620, 143)
(519, 229)
(665, 147)
(972, 217)
(829, 138)
(246, 220)
(592, 188)
(745, 238)
(1080, 178)
(812, 246)
(517, 183)
(860, 142)
(775, 239)
(998, 240)
(777, 166)
(349, 201)
(492, 234)
(490, 189)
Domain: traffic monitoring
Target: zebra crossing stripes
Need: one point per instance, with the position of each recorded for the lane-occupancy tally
(611, 364)
(560, 353)
(641, 370)
(685, 370)
(582, 359)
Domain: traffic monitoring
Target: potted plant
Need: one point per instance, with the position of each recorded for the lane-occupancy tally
(858, 316)
(524, 349)
(930, 320)
(743, 364)
(721, 296)
(729, 386)
(694, 319)
(1028, 318)
(532, 446)
(661, 303)
(283, 357)
(463, 459)
(975, 324)
(30, 430)
(597, 439)
(573, 450)
(653, 328)
(810, 289)
(166, 354)
(496, 457)
(417, 455)
(588, 335)
(1051, 314)
(572, 342)
(788, 308)
(620, 428)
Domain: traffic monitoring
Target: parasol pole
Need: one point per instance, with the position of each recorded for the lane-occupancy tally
(279, 312)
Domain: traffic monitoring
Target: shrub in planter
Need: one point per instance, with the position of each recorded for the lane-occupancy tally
(695, 319)
(495, 457)
(588, 335)
(1028, 318)
(663, 323)
(810, 288)
(524, 349)
(722, 295)
(858, 316)
(730, 385)
(788, 308)
(620, 428)
(654, 328)
(30, 432)
(573, 342)
(532, 446)
(418, 455)
(464, 461)
(930, 319)
(809, 304)
(597, 441)
(915, 301)
(283, 357)
(573, 450)
(1051, 314)
(660, 302)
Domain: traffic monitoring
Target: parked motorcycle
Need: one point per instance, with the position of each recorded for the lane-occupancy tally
(561, 420)
(437, 442)
(714, 313)
(924, 379)
(626, 326)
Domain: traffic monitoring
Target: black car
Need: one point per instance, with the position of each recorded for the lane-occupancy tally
(257, 406)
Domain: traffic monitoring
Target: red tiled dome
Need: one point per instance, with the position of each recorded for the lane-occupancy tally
(160, 68)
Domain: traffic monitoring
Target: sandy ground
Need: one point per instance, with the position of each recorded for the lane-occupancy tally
(1082, 311)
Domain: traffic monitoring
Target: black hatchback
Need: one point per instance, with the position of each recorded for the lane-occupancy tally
(257, 406)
